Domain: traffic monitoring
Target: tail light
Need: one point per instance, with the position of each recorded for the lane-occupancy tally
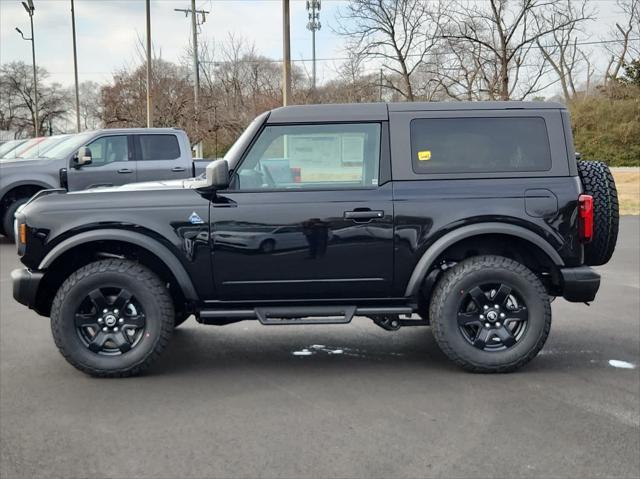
(585, 205)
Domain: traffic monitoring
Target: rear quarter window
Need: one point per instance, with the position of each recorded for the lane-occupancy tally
(479, 145)
(159, 147)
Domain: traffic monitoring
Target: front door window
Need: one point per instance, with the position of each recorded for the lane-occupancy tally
(327, 156)
(108, 149)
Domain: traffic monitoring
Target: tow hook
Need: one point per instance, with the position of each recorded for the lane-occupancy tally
(388, 322)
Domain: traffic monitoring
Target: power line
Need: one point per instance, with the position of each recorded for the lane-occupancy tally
(331, 59)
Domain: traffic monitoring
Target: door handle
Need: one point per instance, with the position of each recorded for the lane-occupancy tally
(364, 215)
(123, 171)
(177, 169)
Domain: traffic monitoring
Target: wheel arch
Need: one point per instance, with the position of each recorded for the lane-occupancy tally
(94, 244)
(29, 187)
(465, 233)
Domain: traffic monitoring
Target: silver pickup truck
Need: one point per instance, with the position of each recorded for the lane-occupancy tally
(106, 157)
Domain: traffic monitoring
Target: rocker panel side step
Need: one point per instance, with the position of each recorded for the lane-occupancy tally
(307, 315)
(298, 314)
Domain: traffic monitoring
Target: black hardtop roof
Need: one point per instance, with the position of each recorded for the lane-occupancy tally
(380, 111)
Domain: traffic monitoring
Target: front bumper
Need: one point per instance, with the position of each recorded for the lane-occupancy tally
(580, 284)
(25, 285)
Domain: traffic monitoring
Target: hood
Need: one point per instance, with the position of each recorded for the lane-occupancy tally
(21, 162)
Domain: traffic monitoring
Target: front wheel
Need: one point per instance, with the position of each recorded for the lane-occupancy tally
(112, 318)
(9, 217)
(490, 314)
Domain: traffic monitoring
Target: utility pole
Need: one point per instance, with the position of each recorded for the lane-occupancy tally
(381, 84)
(149, 97)
(286, 54)
(196, 66)
(28, 6)
(75, 66)
(313, 6)
(196, 62)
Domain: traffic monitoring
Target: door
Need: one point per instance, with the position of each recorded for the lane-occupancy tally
(112, 164)
(306, 217)
(159, 158)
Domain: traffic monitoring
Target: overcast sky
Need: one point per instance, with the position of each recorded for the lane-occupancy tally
(107, 31)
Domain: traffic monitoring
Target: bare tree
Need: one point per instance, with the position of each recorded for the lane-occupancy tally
(625, 39)
(397, 32)
(351, 85)
(509, 32)
(90, 107)
(560, 49)
(124, 100)
(18, 102)
(463, 70)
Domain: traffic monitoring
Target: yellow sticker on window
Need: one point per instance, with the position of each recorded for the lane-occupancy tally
(424, 155)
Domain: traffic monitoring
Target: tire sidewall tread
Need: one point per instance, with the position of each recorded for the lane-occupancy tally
(162, 322)
(444, 306)
(597, 181)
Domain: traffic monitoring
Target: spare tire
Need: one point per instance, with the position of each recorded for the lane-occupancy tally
(598, 182)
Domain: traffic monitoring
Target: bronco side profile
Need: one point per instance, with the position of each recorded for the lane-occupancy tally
(469, 217)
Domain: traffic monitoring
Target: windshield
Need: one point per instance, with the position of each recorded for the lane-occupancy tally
(9, 146)
(233, 154)
(17, 152)
(35, 148)
(68, 146)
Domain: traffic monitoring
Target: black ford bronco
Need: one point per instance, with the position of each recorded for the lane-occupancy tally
(469, 217)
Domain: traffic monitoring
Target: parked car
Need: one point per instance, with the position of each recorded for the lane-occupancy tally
(8, 146)
(33, 148)
(109, 157)
(472, 215)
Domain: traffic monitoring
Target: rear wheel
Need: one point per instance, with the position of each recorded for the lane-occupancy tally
(267, 246)
(598, 182)
(112, 318)
(490, 314)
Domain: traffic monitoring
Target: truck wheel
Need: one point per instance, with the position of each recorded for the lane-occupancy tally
(490, 314)
(112, 318)
(9, 217)
(598, 182)
(267, 246)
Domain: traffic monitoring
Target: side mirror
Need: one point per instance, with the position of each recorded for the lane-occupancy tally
(82, 158)
(217, 174)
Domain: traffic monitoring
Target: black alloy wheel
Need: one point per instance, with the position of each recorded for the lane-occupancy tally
(110, 321)
(112, 318)
(490, 314)
(492, 317)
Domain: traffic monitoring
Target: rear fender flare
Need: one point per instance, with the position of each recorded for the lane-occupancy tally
(436, 249)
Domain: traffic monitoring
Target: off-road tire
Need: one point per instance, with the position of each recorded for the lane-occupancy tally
(9, 217)
(147, 288)
(461, 278)
(598, 182)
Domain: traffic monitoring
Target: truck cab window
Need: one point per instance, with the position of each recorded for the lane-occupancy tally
(312, 156)
(108, 149)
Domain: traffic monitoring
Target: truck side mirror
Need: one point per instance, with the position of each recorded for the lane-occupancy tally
(82, 158)
(217, 174)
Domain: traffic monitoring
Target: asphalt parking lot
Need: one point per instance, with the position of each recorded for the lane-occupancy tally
(344, 401)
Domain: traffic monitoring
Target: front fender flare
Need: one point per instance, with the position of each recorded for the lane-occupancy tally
(437, 248)
(137, 239)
